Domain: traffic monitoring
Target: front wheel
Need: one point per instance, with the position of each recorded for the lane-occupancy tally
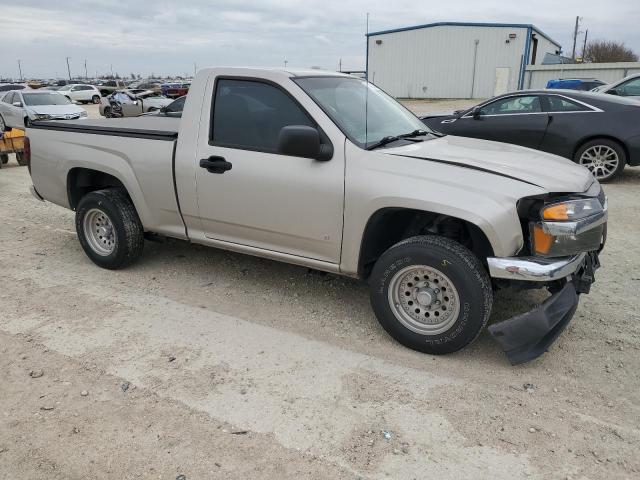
(4, 159)
(431, 294)
(604, 158)
(95, 99)
(109, 229)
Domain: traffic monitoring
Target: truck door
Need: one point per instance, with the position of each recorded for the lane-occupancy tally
(257, 197)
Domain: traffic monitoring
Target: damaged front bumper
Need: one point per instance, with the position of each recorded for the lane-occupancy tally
(527, 336)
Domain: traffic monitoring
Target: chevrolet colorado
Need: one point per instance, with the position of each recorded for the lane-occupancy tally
(327, 171)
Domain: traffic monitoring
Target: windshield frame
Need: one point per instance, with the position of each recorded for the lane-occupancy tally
(359, 144)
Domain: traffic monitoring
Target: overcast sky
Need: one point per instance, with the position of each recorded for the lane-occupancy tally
(154, 36)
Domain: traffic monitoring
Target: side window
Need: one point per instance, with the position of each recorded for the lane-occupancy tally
(249, 115)
(8, 98)
(561, 104)
(513, 105)
(630, 88)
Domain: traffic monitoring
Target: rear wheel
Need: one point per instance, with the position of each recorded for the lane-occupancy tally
(4, 159)
(431, 294)
(604, 158)
(109, 229)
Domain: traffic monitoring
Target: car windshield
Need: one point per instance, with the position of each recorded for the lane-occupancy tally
(361, 110)
(33, 99)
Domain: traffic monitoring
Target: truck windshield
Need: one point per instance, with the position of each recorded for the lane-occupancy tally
(364, 113)
(32, 99)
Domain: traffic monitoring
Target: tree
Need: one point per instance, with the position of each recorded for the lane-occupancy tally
(605, 51)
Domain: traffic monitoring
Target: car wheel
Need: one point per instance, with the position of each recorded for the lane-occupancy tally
(431, 294)
(4, 159)
(95, 99)
(27, 122)
(107, 112)
(20, 159)
(3, 125)
(604, 158)
(109, 229)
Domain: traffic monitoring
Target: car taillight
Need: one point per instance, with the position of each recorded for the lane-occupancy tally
(27, 153)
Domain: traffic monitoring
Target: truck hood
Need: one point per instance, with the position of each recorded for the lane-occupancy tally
(55, 109)
(550, 172)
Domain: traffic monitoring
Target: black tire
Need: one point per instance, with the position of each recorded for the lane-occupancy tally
(127, 228)
(21, 160)
(461, 267)
(5, 128)
(27, 122)
(4, 159)
(95, 99)
(604, 143)
(107, 112)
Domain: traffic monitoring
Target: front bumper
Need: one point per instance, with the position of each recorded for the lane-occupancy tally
(527, 336)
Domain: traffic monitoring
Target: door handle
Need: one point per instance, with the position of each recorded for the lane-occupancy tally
(215, 164)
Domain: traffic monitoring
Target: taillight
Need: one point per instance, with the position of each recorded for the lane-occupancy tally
(27, 153)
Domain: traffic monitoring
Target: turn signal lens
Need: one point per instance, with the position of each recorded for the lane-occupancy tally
(542, 241)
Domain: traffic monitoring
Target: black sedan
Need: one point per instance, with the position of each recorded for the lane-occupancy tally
(598, 131)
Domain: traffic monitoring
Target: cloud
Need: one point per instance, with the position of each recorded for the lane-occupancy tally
(146, 36)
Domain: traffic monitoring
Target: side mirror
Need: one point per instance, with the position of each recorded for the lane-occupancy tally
(475, 113)
(303, 141)
(613, 91)
(17, 104)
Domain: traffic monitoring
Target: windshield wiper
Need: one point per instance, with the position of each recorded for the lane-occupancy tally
(383, 141)
(415, 133)
(392, 138)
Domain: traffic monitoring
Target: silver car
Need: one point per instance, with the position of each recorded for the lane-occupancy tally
(627, 87)
(133, 103)
(18, 108)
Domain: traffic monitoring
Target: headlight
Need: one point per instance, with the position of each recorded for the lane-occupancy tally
(571, 210)
(42, 116)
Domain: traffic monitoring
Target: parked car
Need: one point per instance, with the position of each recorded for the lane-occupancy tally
(584, 84)
(326, 171)
(132, 104)
(627, 87)
(107, 87)
(175, 89)
(174, 109)
(597, 131)
(81, 93)
(19, 108)
(11, 86)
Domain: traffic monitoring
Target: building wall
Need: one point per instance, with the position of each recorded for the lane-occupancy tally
(438, 62)
(537, 76)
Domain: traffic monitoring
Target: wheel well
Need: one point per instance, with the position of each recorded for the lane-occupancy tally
(389, 226)
(607, 137)
(81, 181)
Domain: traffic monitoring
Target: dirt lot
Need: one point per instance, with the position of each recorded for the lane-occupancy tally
(207, 364)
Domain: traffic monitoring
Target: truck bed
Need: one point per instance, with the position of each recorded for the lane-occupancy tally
(146, 126)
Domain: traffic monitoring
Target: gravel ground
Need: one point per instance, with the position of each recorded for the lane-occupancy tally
(210, 364)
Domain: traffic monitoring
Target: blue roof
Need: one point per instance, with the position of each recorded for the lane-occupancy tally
(468, 24)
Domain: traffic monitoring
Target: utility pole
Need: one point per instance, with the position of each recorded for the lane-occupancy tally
(86, 75)
(112, 70)
(195, 69)
(285, 63)
(575, 38)
(68, 68)
(366, 66)
(20, 69)
(340, 65)
(584, 45)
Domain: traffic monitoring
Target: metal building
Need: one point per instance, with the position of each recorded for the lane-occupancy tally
(455, 60)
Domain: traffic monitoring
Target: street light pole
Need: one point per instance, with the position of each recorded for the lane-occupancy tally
(20, 68)
(68, 68)
(86, 75)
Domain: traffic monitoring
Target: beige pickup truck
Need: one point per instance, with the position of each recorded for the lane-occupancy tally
(327, 171)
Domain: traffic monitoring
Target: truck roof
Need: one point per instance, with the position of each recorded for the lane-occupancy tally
(289, 72)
